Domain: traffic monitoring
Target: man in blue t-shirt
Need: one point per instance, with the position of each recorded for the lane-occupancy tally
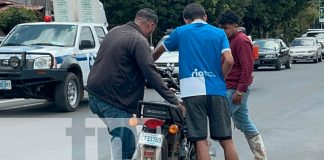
(205, 59)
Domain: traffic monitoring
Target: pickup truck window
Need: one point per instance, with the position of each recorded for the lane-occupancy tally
(50, 35)
(86, 34)
(100, 33)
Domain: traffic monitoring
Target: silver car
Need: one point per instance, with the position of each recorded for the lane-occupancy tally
(305, 48)
(169, 59)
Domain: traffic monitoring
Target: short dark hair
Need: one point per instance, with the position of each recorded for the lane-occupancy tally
(193, 11)
(228, 17)
(148, 14)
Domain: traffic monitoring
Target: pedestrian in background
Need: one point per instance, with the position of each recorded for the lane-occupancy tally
(201, 49)
(239, 80)
(116, 81)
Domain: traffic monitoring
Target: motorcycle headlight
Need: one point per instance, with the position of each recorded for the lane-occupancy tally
(43, 62)
(14, 62)
(270, 56)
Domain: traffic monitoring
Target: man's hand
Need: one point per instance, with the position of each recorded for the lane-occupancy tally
(173, 90)
(237, 99)
(182, 107)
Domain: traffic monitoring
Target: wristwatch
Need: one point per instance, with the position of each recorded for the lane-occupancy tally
(239, 93)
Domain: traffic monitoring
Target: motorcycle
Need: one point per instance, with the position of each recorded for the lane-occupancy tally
(163, 134)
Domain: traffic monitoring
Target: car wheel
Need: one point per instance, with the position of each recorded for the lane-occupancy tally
(67, 93)
(316, 59)
(288, 63)
(320, 58)
(294, 61)
(256, 67)
(278, 65)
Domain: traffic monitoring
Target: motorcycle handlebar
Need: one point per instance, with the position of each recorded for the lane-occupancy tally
(167, 72)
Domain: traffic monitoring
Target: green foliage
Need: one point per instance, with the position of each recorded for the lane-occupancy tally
(13, 16)
(261, 18)
(169, 11)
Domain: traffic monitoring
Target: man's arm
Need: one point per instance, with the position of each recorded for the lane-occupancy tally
(228, 62)
(158, 52)
(246, 61)
(142, 54)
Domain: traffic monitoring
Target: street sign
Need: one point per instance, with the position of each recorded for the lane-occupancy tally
(87, 11)
(321, 16)
(65, 10)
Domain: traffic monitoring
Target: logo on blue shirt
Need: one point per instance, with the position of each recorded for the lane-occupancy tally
(198, 73)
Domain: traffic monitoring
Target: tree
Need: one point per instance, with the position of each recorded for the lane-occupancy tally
(13, 16)
(261, 18)
(120, 12)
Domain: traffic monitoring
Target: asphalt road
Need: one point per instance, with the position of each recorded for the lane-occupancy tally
(287, 106)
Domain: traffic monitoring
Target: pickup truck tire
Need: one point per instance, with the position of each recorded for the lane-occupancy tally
(67, 93)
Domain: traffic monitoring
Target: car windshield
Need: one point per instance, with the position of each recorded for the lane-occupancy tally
(321, 35)
(302, 42)
(51, 35)
(314, 34)
(267, 44)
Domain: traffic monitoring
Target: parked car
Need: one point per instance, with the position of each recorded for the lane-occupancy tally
(320, 39)
(306, 48)
(272, 52)
(169, 59)
(313, 32)
(318, 34)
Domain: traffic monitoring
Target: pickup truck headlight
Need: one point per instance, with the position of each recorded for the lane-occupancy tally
(270, 56)
(14, 62)
(43, 62)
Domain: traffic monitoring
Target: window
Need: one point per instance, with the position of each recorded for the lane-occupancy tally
(267, 44)
(302, 42)
(100, 33)
(283, 44)
(86, 34)
(43, 34)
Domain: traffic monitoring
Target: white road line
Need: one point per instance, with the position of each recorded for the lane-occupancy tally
(21, 106)
(12, 100)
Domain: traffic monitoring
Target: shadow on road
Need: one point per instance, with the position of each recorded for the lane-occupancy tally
(46, 109)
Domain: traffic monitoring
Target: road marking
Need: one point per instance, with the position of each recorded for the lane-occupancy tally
(13, 100)
(21, 106)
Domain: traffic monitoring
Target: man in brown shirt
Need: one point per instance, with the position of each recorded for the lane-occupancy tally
(116, 81)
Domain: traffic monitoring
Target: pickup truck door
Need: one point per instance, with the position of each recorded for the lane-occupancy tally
(87, 49)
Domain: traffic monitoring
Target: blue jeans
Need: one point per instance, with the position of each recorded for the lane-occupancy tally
(123, 139)
(240, 113)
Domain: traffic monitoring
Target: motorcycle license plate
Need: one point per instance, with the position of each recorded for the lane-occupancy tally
(151, 139)
(5, 85)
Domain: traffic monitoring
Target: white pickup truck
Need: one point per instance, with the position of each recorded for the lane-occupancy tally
(49, 60)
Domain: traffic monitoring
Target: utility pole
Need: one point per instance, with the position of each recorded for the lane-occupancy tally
(45, 7)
